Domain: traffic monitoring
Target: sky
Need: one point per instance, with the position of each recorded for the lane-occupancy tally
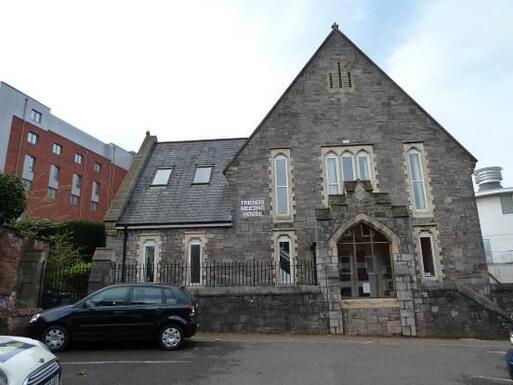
(213, 69)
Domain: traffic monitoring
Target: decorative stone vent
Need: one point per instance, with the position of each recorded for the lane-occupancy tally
(341, 78)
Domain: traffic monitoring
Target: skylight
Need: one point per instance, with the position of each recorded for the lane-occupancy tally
(202, 174)
(161, 177)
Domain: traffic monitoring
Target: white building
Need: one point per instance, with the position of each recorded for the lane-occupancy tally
(495, 206)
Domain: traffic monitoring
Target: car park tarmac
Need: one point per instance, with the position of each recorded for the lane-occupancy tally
(289, 359)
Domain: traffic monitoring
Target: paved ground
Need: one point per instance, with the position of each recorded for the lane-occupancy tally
(269, 359)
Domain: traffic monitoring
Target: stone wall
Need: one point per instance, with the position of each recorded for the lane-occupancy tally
(444, 312)
(171, 244)
(21, 263)
(262, 310)
(503, 296)
(375, 317)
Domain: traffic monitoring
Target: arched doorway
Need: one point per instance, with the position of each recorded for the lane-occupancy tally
(364, 263)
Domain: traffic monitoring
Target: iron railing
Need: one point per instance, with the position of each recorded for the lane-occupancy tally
(63, 284)
(502, 256)
(220, 274)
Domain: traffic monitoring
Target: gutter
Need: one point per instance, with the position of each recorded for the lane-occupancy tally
(173, 225)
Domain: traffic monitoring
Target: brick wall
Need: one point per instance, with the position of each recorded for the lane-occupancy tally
(38, 204)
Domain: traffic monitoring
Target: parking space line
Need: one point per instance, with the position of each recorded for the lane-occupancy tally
(121, 362)
(499, 379)
(496, 352)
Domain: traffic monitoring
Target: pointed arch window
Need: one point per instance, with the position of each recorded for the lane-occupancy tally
(416, 175)
(281, 181)
(348, 169)
(332, 174)
(363, 161)
(149, 261)
(285, 261)
(365, 266)
(195, 261)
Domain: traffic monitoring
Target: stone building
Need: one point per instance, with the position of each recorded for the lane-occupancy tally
(346, 173)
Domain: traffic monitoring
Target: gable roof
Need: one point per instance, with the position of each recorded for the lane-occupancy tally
(181, 202)
(335, 30)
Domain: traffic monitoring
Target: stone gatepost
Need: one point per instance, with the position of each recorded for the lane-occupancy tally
(103, 269)
(21, 267)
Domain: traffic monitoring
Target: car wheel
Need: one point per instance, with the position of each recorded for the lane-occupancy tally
(56, 338)
(171, 337)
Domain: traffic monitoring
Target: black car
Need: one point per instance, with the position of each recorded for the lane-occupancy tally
(135, 311)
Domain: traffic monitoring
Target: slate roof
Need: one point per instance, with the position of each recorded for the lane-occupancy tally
(181, 202)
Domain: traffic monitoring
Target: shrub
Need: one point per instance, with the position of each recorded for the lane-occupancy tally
(80, 237)
(12, 198)
(86, 235)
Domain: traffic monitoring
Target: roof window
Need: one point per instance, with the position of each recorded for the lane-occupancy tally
(161, 177)
(202, 174)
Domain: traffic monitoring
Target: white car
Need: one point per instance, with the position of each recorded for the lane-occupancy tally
(24, 361)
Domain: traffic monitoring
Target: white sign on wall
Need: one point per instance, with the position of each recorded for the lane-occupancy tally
(252, 208)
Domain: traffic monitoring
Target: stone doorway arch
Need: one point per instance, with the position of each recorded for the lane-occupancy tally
(396, 312)
(371, 222)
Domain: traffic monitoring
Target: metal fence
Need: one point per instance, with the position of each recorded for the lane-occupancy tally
(497, 256)
(63, 284)
(220, 274)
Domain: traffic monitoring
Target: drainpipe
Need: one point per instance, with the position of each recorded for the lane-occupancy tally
(125, 240)
(21, 137)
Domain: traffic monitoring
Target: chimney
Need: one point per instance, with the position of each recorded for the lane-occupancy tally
(488, 178)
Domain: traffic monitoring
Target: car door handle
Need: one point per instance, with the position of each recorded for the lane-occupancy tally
(118, 311)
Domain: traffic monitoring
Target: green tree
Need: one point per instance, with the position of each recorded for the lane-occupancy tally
(12, 198)
(62, 250)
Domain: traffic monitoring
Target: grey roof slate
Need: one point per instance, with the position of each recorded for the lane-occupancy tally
(181, 201)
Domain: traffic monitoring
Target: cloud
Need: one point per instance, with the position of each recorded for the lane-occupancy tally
(457, 62)
(198, 69)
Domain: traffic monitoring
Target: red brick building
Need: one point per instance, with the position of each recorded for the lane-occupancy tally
(68, 173)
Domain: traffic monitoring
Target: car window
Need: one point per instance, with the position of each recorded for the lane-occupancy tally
(142, 295)
(170, 297)
(110, 297)
(183, 297)
(183, 291)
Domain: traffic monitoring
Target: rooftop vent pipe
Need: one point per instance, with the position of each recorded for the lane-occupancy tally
(488, 178)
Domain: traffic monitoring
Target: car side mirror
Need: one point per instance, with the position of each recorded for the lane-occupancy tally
(87, 304)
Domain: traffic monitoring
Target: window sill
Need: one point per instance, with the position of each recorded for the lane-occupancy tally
(369, 303)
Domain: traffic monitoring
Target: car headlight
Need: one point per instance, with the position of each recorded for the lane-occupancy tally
(34, 318)
(3, 378)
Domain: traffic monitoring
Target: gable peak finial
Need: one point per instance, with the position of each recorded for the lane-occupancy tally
(334, 26)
